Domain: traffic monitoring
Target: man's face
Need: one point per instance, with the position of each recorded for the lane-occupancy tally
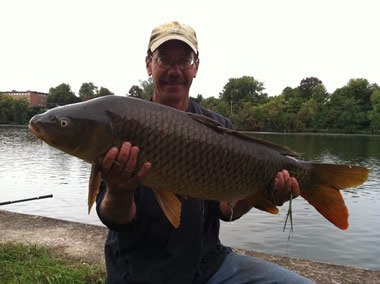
(171, 82)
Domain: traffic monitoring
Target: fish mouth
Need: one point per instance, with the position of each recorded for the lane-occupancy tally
(35, 131)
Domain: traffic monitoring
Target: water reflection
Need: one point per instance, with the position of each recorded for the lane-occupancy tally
(28, 169)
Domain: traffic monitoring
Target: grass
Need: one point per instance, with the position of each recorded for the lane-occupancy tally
(32, 263)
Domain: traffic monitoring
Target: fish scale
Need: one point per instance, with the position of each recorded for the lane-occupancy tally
(191, 155)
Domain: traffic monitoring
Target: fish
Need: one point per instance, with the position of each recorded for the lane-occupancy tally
(191, 155)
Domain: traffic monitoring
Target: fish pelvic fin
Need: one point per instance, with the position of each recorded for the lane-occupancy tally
(261, 202)
(323, 191)
(170, 205)
(94, 182)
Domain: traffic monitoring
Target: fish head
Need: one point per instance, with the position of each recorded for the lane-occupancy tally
(77, 129)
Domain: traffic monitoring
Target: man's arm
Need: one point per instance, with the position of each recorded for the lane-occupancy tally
(283, 186)
(122, 178)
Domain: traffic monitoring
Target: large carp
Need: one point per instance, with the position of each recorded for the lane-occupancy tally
(191, 155)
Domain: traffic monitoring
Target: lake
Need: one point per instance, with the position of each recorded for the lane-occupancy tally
(28, 169)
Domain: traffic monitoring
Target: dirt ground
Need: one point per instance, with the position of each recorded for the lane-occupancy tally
(87, 242)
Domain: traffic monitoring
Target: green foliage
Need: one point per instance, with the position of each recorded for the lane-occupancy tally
(103, 92)
(61, 95)
(238, 91)
(6, 114)
(198, 99)
(13, 111)
(20, 110)
(374, 115)
(307, 85)
(87, 91)
(37, 264)
(148, 88)
(217, 106)
(136, 92)
(272, 115)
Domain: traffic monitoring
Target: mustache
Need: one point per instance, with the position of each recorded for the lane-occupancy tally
(173, 80)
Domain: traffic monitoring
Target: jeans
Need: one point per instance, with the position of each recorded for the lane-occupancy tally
(239, 269)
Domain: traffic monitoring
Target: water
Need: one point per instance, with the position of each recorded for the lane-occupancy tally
(28, 169)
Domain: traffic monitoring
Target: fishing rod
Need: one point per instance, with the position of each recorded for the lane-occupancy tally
(27, 199)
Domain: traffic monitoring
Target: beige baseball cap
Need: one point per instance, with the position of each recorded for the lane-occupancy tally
(173, 31)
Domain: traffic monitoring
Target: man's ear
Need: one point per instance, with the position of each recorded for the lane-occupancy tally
(196, 68)
(148, 65)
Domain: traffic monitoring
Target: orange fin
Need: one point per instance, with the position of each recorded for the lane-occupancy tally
(93, 185)
(323, 192)
(170, 205)
(260, 201)
(329, 202)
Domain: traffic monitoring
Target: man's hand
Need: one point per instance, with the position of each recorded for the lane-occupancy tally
(283, 187)
(122, 178)
(119, 168)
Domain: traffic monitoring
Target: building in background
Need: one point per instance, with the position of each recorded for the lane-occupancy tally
(34, 98)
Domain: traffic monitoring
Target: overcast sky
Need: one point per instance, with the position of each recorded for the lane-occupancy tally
(44, 43)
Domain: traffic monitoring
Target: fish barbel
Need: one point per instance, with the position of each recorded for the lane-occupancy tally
(191, 155)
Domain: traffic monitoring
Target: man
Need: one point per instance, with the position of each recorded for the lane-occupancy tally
(142, 246)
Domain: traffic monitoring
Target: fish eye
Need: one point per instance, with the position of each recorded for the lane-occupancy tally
(64, 123)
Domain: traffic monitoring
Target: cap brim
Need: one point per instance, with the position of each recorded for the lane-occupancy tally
(157, 43)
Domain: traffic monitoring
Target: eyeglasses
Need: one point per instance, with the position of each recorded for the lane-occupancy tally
(166, 62)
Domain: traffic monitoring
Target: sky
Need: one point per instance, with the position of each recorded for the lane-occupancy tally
(44, 43)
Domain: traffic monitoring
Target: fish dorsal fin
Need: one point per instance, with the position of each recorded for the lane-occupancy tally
(170, 205)
(94, 182)
(218, 127)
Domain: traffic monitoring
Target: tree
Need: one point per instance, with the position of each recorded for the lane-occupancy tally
(357, 91)
(6, 113)
(87, 91)
(103, 92)
(306, 86)
(20, 109)
(374, 115)
(136, 92)
(216, 105)
(198, 99)
(148, 88)
(61, 95)
(292, 99)
(361, 90)
(344, 113)
(244, 119)
(237, 91)
(272, 115)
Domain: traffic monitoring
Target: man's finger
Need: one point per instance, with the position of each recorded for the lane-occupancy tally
(108, 160)
(124, 153)
(295, 187)
(143, 171)
(130, 167)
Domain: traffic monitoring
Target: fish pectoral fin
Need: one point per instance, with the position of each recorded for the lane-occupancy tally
(170, 205)
(261, 202)
(93, 185)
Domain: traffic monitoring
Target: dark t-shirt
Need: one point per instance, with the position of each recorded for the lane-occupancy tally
(150, 250)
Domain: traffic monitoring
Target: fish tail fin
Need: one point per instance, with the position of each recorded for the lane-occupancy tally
(93, 185)
(323, 190)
